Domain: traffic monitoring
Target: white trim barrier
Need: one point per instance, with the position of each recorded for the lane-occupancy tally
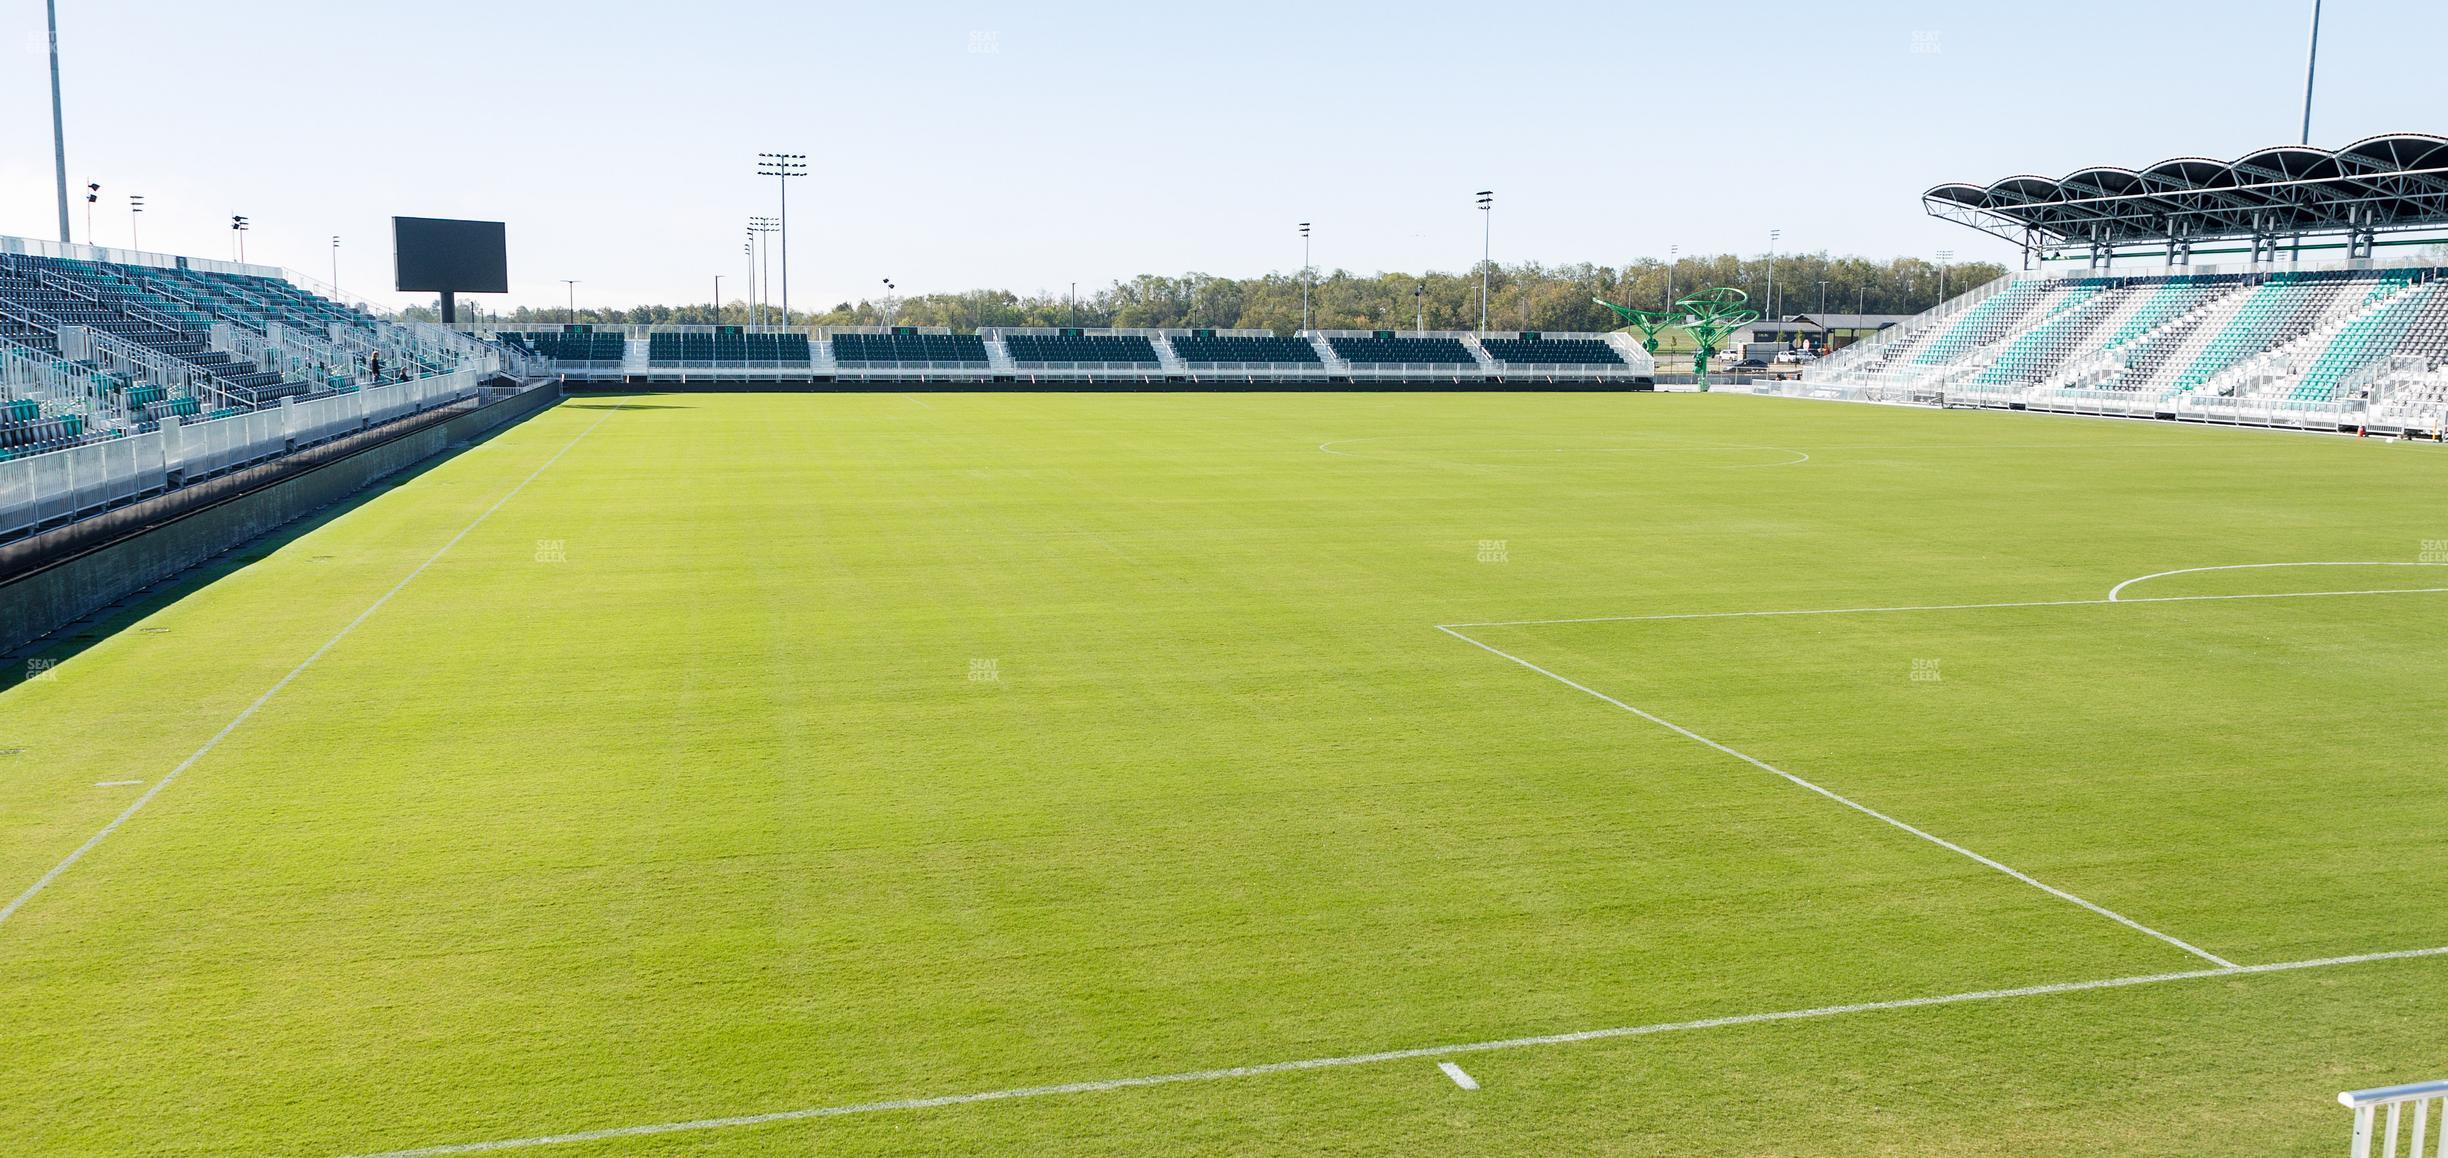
(64, 484)
(2426, 1096)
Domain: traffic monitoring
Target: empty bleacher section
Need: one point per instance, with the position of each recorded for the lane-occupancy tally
(726, 346)
(1384, 350)
(1208, 348)
(1548, 351)
(909, 350)
(2314, 347)
(1079, 349)
(576, 345)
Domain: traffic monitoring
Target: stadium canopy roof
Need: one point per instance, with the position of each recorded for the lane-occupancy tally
(2379, 184)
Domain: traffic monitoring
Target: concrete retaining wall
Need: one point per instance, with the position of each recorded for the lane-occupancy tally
(63, 576)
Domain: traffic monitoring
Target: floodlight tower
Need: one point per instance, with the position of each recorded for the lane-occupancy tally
(1486, 200)
(135, 209)
(758, 228)
(238, 231)
(782, 167)
(59, 132)
(1304, 228)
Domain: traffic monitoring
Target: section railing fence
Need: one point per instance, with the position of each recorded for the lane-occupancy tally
(2380, 1117)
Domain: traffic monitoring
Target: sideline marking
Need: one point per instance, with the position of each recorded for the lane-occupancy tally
(1848, 802)
(2112, 592)
(1421, 1052)
(1459, 1078)
(115, 783)
(45, 882)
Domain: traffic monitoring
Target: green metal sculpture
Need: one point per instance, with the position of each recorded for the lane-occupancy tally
(1708, 316)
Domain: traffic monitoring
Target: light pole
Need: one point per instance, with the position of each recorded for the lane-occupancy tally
(1944, 255)
(1773, 236)
(2311, 60)
(1823, 295)
(718, 301)
(758, 228)
(1674, 255)
(572, 283)
(892, 304)
(782, 167)
(1419, 308)
(238, 230)
(748, 248)
(1304, 228)
(135, 207)
(335, 263)
(93, 193)
(59, 132)
(1486, 200)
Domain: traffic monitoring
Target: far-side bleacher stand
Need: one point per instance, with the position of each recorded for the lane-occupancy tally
(125, 374)
(1021, 358)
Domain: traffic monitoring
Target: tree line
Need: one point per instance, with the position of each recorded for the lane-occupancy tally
(1528, 296)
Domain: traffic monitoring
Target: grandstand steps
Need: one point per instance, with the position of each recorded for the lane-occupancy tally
(1487, 361)
(635, 356)
(999, 356)
(1166, 358)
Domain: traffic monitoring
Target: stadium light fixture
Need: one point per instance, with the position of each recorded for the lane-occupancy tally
(1944, 256)
(782, 167)
(748, 248)
(758, 227)
(59, 131)
(2311, 62)
(718, 301)
(238, 231)
(1419, 308)
(93, 193)
(1674, 253)
(135, 207)
(335, 254)
(572, 283)
(1769, 299)
(1486, 200)
(1304, 228)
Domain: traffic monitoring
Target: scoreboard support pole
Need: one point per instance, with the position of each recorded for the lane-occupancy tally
(450, 306)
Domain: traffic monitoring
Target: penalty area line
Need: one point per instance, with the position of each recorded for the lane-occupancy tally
(243, 716)
(1848, 802)
(1361, 1059)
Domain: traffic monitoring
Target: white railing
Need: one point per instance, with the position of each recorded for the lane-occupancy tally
(134, 363)
(2430, 1125)
(63, 484)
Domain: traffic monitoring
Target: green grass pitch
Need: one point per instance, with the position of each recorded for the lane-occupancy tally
(710, 756)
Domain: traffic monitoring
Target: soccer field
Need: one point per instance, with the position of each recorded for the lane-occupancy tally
(679, 774)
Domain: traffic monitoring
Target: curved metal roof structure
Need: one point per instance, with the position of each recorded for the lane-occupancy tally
(2393, 182)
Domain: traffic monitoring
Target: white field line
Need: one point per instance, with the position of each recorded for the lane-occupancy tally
(132, 809)
(1460, 1078)
(1848, 802)
(2114, 591)
(1943, 607)
(115, 783)
(1416, 1053)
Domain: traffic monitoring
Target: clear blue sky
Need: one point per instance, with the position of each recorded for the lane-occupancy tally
(1032, 145)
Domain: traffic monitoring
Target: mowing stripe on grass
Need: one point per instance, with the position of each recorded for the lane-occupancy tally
(132, 809)
(1422, 1052)
(1956, 606)
(1855, 805)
